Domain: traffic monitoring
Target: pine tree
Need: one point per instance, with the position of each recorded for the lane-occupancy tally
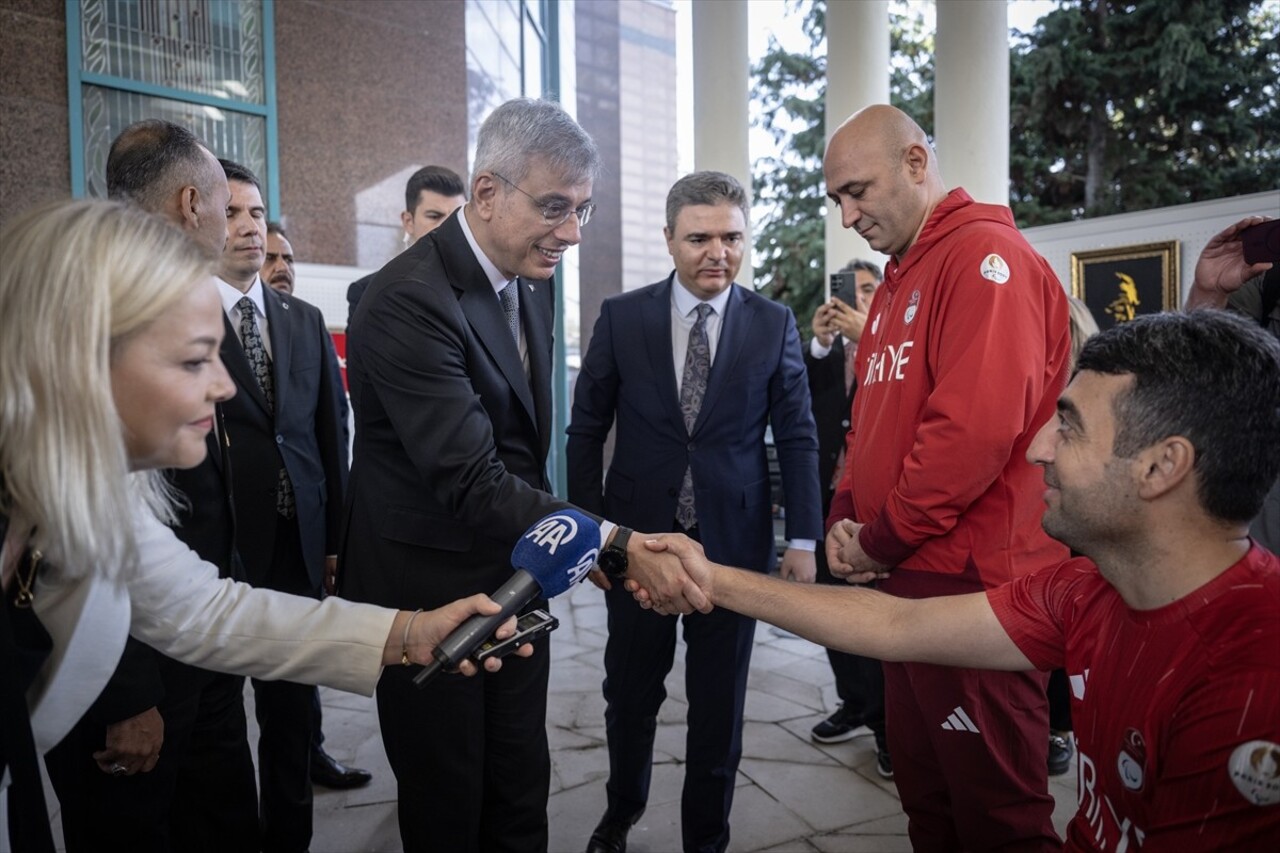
(1128, 106)
(1114, 107)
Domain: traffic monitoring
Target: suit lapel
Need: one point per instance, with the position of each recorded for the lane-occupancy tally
(237, 365)
(483, 311)
(280, 329)
(217, 439)
(659, 342)
(537, 313)
(738, 315)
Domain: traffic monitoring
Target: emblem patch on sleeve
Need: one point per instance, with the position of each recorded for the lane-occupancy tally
(1255, 771)
(994, 269)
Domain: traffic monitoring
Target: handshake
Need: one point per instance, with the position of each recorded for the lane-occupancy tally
(670, 573)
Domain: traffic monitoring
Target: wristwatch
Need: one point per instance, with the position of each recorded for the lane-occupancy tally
(613, 559)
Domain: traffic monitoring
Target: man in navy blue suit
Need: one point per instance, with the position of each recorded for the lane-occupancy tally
(693, 369)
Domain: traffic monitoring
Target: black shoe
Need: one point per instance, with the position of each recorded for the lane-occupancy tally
(837, 728)
(883, 765)
(1060, 753)
(610, 835)
(330, 773)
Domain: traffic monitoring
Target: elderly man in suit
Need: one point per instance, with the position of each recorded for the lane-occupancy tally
(692, 369)
(286, 426)
(450, 377)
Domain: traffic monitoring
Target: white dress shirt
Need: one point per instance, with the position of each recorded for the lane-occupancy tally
(231, 297)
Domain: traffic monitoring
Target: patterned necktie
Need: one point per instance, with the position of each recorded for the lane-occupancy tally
(510, 296)
(693, 387)
(260, 363)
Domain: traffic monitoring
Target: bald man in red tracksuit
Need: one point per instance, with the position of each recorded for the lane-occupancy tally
(965, 352)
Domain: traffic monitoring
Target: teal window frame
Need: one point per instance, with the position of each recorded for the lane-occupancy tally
(77, 77)
(561, 393)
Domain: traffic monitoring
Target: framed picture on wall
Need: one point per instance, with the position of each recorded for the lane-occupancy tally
(1123, 282)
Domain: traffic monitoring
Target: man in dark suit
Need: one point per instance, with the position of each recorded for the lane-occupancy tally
(828, 360)
(431, 194)
(173, 735)
(693, 369)
(450, 377)
(287, 430)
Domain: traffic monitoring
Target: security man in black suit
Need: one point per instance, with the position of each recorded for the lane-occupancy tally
(286, 427)
(431, 194)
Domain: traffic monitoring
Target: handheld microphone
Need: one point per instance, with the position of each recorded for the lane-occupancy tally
(552, 555)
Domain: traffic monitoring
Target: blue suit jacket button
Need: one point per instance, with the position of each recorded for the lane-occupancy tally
(279, 439)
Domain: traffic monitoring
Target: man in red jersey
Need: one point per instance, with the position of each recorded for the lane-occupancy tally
(966, 348)
(1162, 450)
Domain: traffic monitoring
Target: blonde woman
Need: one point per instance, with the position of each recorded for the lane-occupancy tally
(110, 324)
(1083, 326)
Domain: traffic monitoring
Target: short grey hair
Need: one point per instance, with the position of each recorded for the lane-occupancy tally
(526, 129)
(705, 188)
(858, 264)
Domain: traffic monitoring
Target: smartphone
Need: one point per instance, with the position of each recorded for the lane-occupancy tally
(533, 624)
(1262, 242)
(844, 286)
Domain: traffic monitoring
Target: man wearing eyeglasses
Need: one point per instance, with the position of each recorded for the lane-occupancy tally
(450, 378)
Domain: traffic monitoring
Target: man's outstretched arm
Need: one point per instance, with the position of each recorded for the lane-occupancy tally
(958, 630)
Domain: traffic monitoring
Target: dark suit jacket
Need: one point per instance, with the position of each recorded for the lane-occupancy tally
(355, 291)
(831, 410)
(145, 678)
(308, 434)
(757, 378)
(451, 438)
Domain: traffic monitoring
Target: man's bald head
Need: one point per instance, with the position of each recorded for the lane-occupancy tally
(882, 172)
(163, 168)
(886, 129)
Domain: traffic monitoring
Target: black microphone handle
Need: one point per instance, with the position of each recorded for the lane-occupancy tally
(467, 637)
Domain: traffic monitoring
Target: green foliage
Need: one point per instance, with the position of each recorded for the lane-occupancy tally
(1128, 106)
(790, 196)
(1114, 107)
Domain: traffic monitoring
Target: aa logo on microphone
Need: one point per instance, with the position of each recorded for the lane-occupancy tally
(556, 530)
(552, 532)
(586, 564)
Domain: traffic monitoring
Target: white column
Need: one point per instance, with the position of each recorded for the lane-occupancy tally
(857, 76)
(721, 89)
(971, 97)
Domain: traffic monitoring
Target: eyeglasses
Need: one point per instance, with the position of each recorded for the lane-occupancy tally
(555, 213)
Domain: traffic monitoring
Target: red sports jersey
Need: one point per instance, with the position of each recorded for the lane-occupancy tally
(1176, 710)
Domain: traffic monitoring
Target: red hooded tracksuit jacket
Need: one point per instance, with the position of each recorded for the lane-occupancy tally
(965, 352)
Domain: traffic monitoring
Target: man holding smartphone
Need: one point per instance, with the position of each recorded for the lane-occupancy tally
(829, 362)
